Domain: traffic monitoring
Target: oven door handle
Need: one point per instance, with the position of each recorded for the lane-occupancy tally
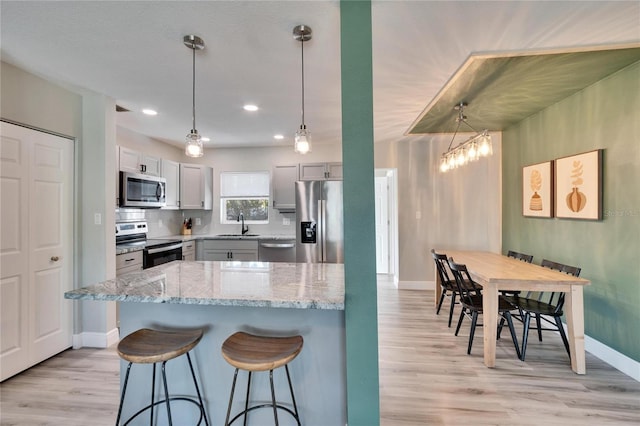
(161, 249)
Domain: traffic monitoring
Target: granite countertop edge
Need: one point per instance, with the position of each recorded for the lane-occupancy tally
(258, 303)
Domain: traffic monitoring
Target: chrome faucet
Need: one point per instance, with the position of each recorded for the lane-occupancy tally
(242, 227)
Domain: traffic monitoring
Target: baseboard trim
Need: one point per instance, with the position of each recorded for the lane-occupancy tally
(96, 340)
(416, 285)
(612, 357)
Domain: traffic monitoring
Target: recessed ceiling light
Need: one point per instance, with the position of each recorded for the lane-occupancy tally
(250, 107)
(148, 111)
(278, 137)
(205, 139)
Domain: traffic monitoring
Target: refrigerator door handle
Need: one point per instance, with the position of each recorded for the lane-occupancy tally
(322, 211)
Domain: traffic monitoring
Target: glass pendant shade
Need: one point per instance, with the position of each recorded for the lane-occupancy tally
(444, 164)
(193, 144)
(484, 147)
(302, 143)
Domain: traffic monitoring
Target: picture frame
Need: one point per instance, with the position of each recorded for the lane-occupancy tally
(578, 186)
(537, 190)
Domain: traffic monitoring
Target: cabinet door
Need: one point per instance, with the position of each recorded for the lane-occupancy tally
(215, 254)
(284, 181)
(334, 171)
(150, 165)
(171, 172)
(312, 171)
(196, 187)
(244, 255)
(191, 187)
(129, 160)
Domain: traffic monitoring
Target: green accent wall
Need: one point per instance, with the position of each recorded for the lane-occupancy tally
(361, 317)
(602, 116)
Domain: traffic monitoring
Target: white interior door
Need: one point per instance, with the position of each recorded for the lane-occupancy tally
(36, 246)
(382, 224)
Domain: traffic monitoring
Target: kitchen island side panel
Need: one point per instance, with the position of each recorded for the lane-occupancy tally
(318, 373)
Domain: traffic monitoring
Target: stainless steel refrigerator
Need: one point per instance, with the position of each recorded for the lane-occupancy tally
(319, 225)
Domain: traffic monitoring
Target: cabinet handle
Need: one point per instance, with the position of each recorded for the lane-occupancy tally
(130, 260)
(202, 203)
(178, 203)
(54, 258)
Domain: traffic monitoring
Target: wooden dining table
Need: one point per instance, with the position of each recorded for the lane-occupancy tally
(495, 272)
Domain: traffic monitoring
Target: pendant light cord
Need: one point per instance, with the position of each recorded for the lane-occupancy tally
(193, 47)
(302, 43)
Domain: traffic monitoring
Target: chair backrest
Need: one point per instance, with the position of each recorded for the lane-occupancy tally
(467, 288)
(520, 256)
(556, 298)
(441, 266)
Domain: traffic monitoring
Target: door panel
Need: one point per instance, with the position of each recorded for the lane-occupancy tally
(382, 225)
(14, 254)
(36, 246)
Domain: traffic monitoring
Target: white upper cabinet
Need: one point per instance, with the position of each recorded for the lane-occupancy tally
(196, 187)
(171, 172)
(284, 180)
(321, 171)
(137, 162)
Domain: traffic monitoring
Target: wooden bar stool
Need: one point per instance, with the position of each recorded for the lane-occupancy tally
(147, 346)
(252, 353)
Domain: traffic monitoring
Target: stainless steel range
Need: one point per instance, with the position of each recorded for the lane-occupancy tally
(155, 251)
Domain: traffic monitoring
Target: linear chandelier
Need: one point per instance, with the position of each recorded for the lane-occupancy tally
(468, 151)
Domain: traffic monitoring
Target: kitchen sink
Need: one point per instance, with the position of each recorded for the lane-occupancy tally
(237, 235)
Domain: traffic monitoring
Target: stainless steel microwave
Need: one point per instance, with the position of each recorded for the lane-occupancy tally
(142, 191)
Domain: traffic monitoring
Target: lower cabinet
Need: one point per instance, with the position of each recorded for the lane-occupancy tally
(128, 262)
(224, 250)
(189, 250)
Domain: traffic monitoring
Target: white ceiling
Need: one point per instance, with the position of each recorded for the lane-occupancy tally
(133, 52)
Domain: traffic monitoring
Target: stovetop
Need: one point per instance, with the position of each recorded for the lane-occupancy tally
(134, 235)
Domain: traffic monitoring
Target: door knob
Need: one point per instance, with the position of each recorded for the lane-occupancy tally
(54, 258)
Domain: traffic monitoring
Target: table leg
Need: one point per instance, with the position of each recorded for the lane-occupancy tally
(574, 313)
(490, 322)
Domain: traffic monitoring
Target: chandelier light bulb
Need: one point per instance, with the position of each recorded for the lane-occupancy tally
(485, 148)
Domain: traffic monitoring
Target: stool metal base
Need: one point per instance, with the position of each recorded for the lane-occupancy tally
(274, 404)
(198, 403)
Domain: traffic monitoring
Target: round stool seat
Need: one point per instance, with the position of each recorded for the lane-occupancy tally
(259, 353)
(146, 346)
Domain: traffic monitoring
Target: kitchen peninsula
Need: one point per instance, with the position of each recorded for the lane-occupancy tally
(224, 297)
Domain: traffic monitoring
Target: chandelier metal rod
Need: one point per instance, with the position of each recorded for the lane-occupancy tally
(193, 47)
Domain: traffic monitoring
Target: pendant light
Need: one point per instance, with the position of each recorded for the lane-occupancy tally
(302, 143)
(193, 142)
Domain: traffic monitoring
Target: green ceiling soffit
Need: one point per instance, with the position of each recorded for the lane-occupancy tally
(504, 89)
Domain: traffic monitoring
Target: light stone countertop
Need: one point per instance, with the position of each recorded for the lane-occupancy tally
(254, 284)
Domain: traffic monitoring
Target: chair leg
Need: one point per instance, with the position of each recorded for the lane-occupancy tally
(153, 390)
(500, 325)
(474, 322)
(293, 398)
(166, 392)
(563, 335)
(512, 330)
(273, 397)
(453, 303)
(525, 334)
(233, 388)
(193, 375)
(460, 321)
(442, 296)
(246, 401)
(539, 326)
(124, 391)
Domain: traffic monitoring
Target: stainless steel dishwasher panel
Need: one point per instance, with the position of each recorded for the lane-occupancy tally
(277, 251)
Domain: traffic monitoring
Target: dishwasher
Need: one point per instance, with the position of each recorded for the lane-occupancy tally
(277, 250)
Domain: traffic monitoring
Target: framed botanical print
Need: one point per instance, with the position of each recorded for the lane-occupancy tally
(578, 186)
(537, 190)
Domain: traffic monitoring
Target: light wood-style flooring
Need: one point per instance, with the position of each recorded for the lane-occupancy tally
(426, 378)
